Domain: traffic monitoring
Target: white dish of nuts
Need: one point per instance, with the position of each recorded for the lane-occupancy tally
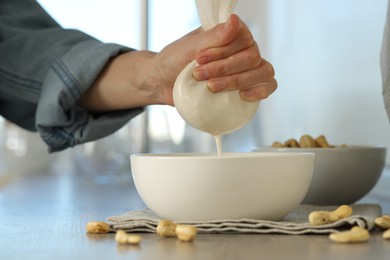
(204, 187)
(343, 174)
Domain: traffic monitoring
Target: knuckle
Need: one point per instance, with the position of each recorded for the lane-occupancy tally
(221, 71)
(221, 53)
(247, 38)
(236, 83)
(268, 68)
(254, 60)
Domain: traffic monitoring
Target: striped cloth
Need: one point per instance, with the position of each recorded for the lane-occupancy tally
(385, 63)
(295, 223)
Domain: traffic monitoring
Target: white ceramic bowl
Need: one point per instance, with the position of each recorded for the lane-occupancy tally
(342, 175)
(196, 187)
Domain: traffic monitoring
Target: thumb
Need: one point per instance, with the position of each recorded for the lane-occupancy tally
(220, 35)
(175, 56)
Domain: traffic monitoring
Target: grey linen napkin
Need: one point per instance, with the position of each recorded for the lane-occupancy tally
(295, 223)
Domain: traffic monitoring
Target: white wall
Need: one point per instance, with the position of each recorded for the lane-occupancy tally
(117, 21)
(326, 58)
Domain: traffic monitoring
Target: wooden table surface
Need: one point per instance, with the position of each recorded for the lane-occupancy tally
(43, 216)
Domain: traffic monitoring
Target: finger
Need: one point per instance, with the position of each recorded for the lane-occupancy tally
(220, 35)
(259, 92)
(239, 81)
(243, 39)
(239, 62)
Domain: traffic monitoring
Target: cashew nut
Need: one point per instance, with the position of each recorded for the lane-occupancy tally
(166, 228)
(291, 143)
(322, 142)
(343, 211)
(356, 234)
(277, 144)
(327, 217)
(97, 227)
(386, 234)
(322, 217)
(121, 237)
(382, 222)
(186, 233)
(307, 141)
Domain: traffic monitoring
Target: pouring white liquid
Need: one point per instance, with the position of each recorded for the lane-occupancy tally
(218, 142)
(216, 114)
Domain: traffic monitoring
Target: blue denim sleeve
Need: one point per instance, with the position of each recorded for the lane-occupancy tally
(44, 70)
(60, 121)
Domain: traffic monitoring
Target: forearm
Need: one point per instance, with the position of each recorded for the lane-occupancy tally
(127, 81)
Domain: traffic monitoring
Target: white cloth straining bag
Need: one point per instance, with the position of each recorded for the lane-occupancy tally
(216, 114)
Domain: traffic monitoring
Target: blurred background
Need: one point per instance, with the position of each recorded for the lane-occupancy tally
(325, 54)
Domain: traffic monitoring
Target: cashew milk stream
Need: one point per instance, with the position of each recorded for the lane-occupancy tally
(218, 142)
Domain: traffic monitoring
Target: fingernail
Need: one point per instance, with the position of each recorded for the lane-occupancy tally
(216, 85)
(200, 74)
(247, 95)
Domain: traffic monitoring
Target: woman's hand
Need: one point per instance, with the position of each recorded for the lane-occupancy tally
(228, 58)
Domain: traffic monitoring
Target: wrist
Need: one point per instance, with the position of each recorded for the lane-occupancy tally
(128, 81)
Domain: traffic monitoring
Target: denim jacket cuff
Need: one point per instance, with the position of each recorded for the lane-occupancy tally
(59, 120)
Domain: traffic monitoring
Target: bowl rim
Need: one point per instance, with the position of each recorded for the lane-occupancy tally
(224, 156)
(315, 149)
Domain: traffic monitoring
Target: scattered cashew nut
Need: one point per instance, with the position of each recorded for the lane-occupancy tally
(356, 234)
(322, 217)
(386, 234)
(326, 217)
(97, 227)
(343, 211)
(186, 233)
(121, 237)
(382, 222)
(166, 228)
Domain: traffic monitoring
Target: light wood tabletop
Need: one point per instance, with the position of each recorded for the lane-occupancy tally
(43, 216)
